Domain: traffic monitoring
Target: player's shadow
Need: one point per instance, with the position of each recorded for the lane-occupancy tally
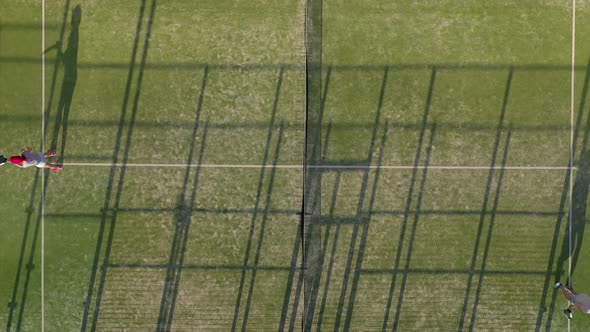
(69, 59)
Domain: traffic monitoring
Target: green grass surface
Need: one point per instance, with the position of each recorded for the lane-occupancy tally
(239, 68)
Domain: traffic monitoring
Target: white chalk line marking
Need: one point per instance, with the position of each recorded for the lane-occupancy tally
(353, 167)
(42, 171)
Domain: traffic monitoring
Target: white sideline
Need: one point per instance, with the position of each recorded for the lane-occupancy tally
(571, 161)
(66, 164)
(42, 171)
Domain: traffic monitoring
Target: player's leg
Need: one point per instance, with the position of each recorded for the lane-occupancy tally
(53, 167)
(50, 154)
(568, 293)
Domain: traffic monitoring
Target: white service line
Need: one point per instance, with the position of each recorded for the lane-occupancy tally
(42, 171)
(67, 164)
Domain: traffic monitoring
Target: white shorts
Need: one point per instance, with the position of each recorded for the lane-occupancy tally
(40, 159)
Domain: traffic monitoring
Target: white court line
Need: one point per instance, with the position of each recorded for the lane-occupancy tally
(318, 166)
(571, 161)
(42, 171)
(572, 104)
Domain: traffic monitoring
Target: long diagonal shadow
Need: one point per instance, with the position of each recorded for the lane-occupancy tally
(123, 170)
(315, 249)
(183, 217)
(485, 200)
(309, 307)
(564, 195)
(30, 209)
(30, 264)
(300, 235)
(332, 253)
(186, 223)
(490, 232)
(366, 220)
(409, 200)
(360, 205)
(257, 200)
(110, 185)
(579, 191)
(402, 287)
(13, 303)
(262, 228)
(310, 204)
(56, 66)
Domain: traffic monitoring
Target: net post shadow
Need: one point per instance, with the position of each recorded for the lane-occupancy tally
(409, 199)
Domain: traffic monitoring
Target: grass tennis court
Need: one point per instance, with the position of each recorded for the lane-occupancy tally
(416, 165)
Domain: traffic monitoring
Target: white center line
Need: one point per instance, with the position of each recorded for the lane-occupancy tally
(42, 171)
(354, 167)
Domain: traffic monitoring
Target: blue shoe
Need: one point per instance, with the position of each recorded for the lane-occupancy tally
(558, 285)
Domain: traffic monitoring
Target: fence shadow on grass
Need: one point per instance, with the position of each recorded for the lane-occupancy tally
(183, 218)
(311, 290)
(257, 202)
(363, 218)
(484, 206)
(13, 304)
(579, 196)
(409, 201)
(111, 182)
